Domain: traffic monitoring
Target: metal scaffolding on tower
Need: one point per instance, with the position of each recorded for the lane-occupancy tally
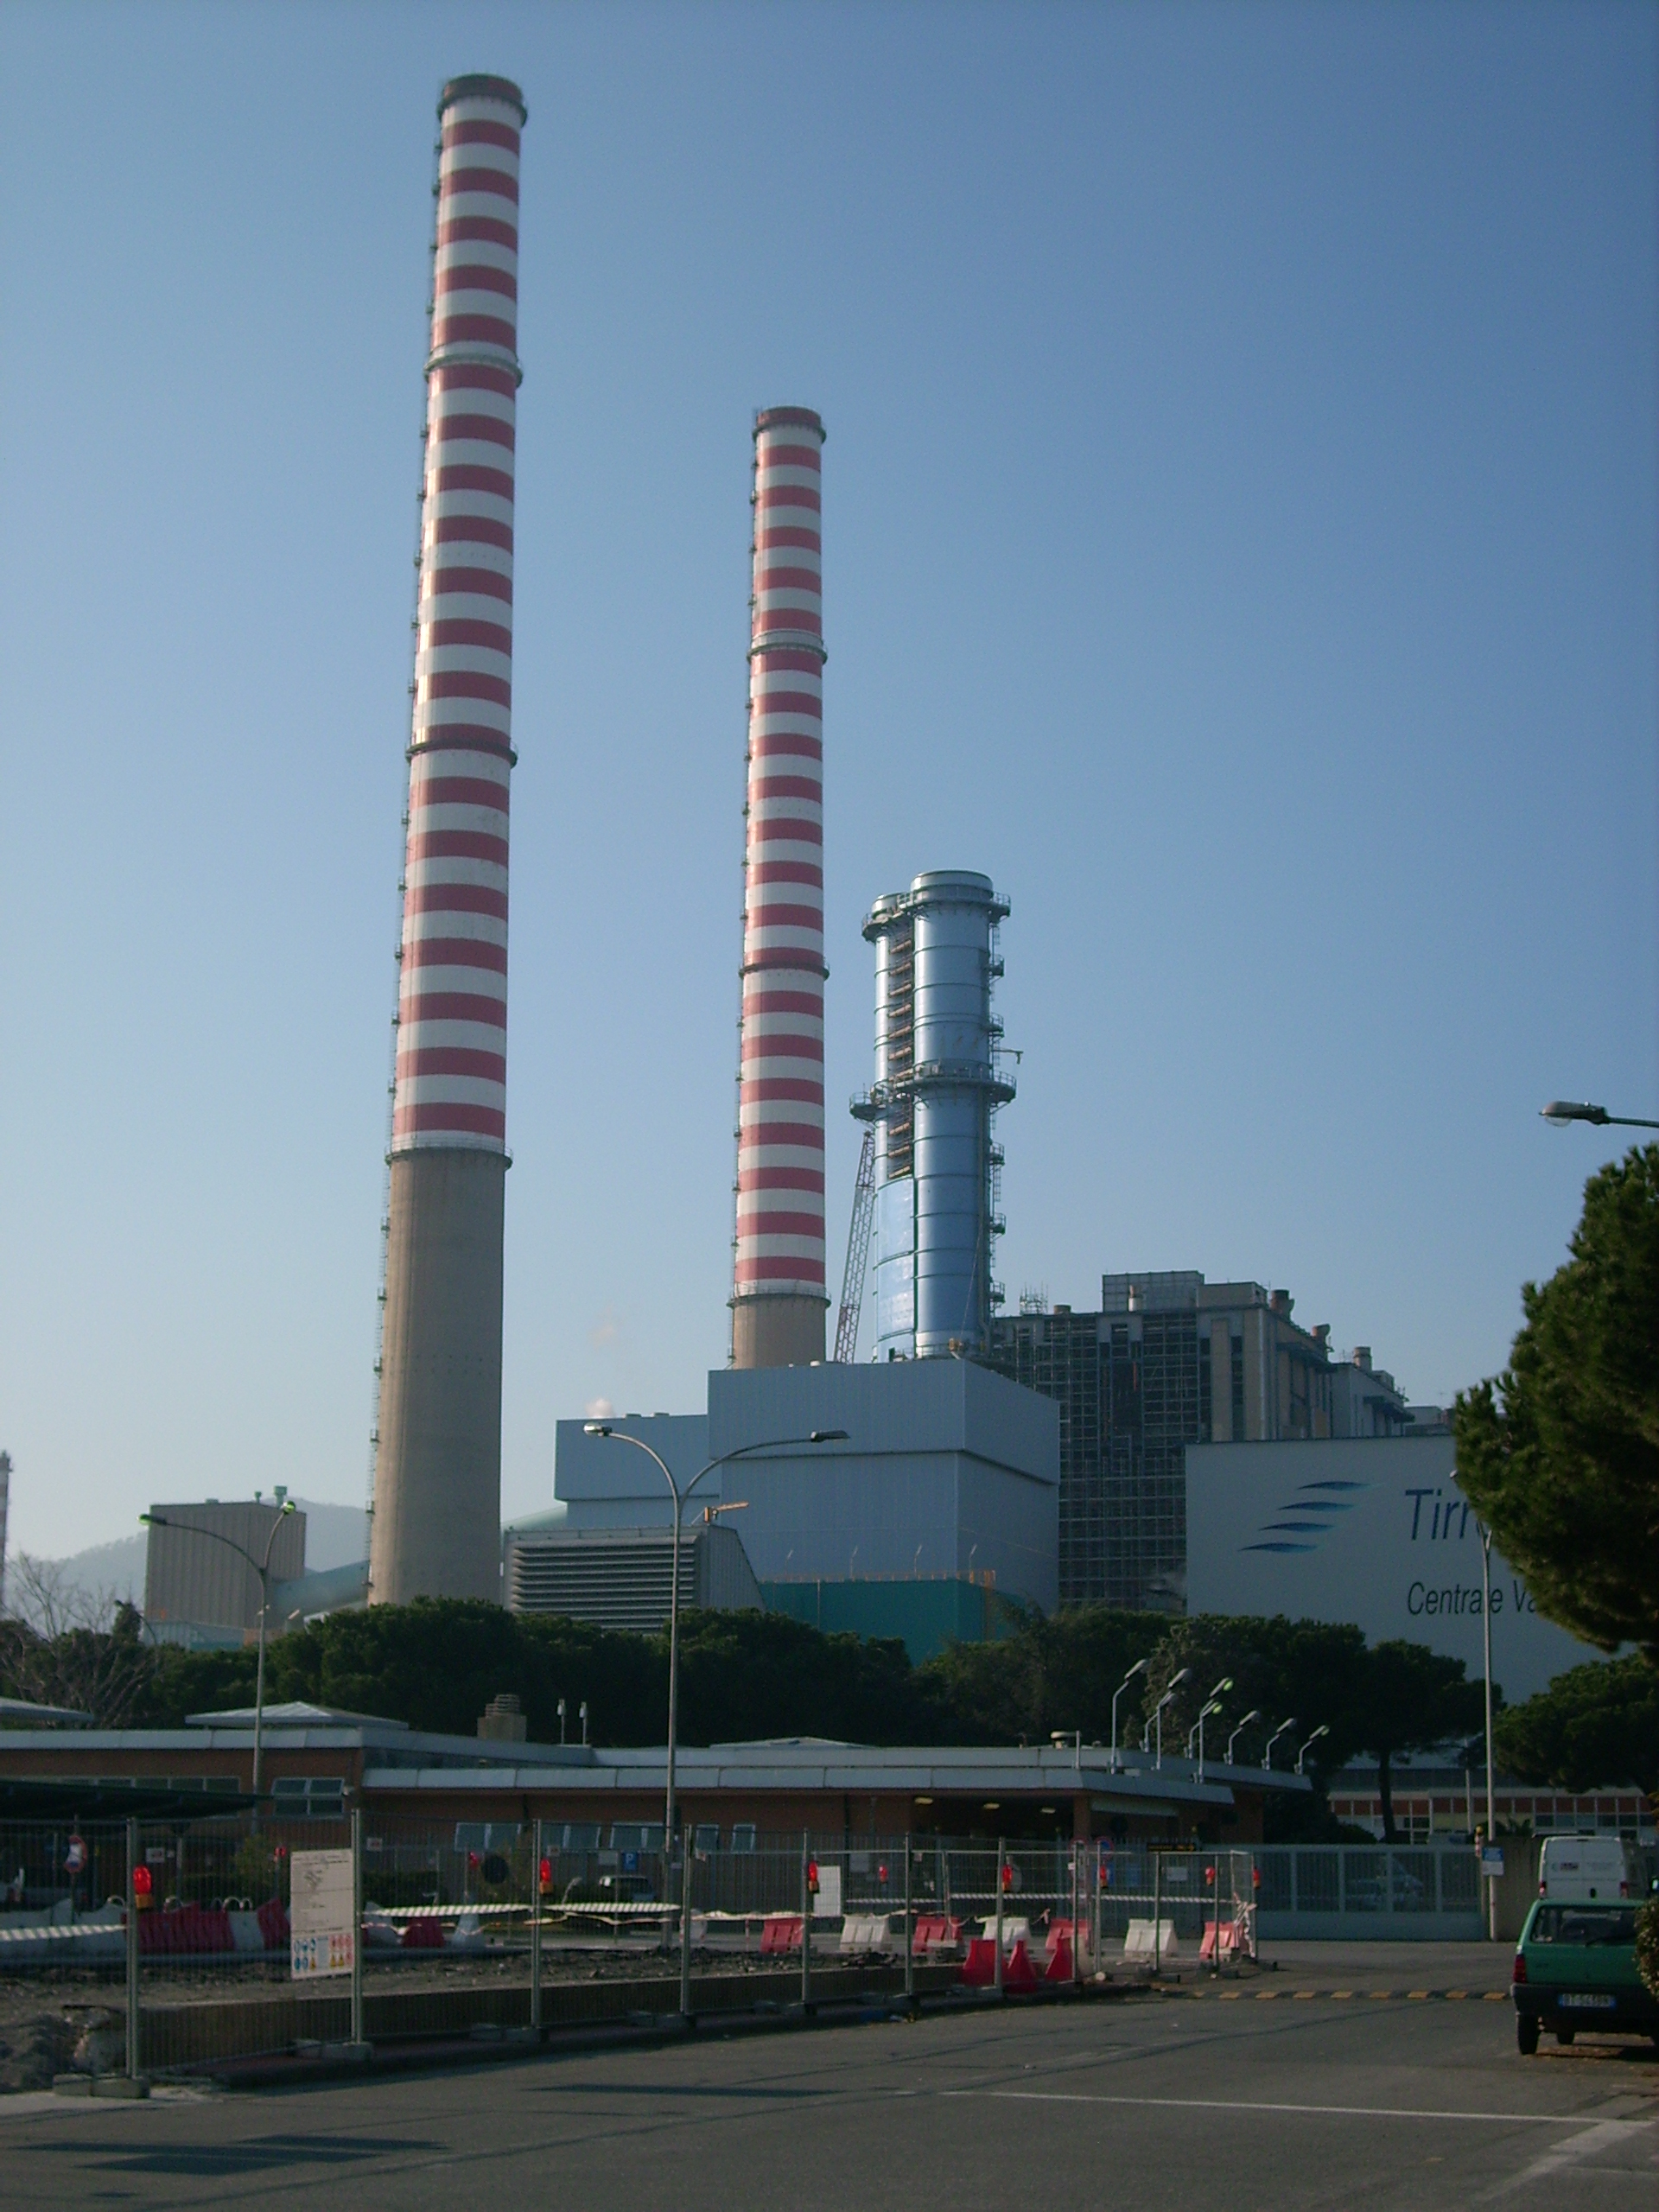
(858, 1252)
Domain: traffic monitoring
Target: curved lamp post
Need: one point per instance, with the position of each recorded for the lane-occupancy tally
(1283, 1729)
(1175, 1682)
(1251, 1715)
(1561, 1113)
(1138, 1668)
(261, 1568)
(771, 1444)
(1308, 1747)
(1210, 1705)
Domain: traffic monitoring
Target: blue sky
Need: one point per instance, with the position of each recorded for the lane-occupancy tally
(1239, 541)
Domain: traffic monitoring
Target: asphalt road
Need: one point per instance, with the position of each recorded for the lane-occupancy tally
(1174, 2100)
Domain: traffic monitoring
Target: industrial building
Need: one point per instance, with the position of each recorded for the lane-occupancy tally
(947, 1470)
(437, 1479)
(321, 1762)
(1169, 1360)
(778, 1267)
(939, 1083)
(1364, 1400)
(938, 1506)
(623, 1578)
(201, 1561)
(201, 1581)
(1369, 1529)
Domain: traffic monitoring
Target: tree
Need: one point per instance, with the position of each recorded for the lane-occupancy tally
(67, 1647)
(1314, 1670)
(1595, 1724)
(1411, 1699)
(1560, 1452)
(1047, 1675)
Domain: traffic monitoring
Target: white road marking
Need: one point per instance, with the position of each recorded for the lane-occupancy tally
(1617, 2128)
(1601, 2135)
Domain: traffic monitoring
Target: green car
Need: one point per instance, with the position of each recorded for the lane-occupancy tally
(1575, 1968)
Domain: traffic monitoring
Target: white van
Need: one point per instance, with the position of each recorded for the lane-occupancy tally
(1573, 1869)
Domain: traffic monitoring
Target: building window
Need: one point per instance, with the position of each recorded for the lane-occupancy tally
(309, 1797)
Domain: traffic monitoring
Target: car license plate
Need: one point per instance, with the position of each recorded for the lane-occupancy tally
(1583, 2001)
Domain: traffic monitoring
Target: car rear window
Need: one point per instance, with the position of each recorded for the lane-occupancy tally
(1583, 1923)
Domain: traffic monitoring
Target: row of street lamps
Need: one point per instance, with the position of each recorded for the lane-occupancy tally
(1211, 1704)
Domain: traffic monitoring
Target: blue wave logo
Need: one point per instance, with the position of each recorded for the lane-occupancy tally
(1314, 1507)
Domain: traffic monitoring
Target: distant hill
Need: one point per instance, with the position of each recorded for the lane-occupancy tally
(336, 1536)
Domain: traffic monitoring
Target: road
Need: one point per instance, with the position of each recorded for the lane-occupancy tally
(1182, 2101)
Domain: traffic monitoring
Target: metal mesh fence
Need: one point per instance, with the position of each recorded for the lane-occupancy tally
(499, 1929)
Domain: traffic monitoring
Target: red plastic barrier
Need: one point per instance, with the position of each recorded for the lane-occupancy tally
(932, 1927)
(1018, 1972)
(979, 1971)
(780, 1933)
(423, 1935)
(273, 1924)
(188, 1928)
(1059, 1956)
(1229, 1940)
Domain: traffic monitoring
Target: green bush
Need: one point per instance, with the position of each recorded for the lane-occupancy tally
(1647, 1944)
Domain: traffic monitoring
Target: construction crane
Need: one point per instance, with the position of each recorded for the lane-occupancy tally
(858, 1252)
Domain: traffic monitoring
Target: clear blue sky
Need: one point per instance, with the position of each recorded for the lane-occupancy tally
(1239, 540)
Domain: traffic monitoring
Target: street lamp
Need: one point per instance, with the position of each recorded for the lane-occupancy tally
(1195, 1733)
(1308, 1747)
(1138, 1668)
(1561, 1113)
(1168, 1698)
(1283, 1729)
(1486, 1644)
(1207, 1707)
(1251, 1715)
(261, 1568)
(622, 1436)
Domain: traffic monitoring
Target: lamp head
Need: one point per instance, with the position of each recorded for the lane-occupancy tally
(1186, 1675)
(1138, 1668)
(827, 1436)
(1561, 1113)
(597, 1429)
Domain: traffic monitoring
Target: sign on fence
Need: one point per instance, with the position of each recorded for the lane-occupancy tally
(322, 1916)
(827, 1904)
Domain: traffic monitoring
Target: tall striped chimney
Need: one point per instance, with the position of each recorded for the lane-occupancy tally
(777, 1288)
(437, 1489)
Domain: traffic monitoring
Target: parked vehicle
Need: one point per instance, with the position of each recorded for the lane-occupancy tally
(1586, 1869)
(1575, 1969)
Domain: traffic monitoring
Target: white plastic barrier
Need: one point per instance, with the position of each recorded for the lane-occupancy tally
(1139, 1943)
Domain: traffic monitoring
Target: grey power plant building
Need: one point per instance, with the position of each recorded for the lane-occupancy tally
(437, 1484)
(1169, 1360)
(938, 1086)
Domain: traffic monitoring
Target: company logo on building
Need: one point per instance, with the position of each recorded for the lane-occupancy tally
(1311, 1514)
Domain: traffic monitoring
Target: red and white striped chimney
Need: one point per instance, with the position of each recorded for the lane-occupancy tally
(438, 1472)
(777, 1290)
